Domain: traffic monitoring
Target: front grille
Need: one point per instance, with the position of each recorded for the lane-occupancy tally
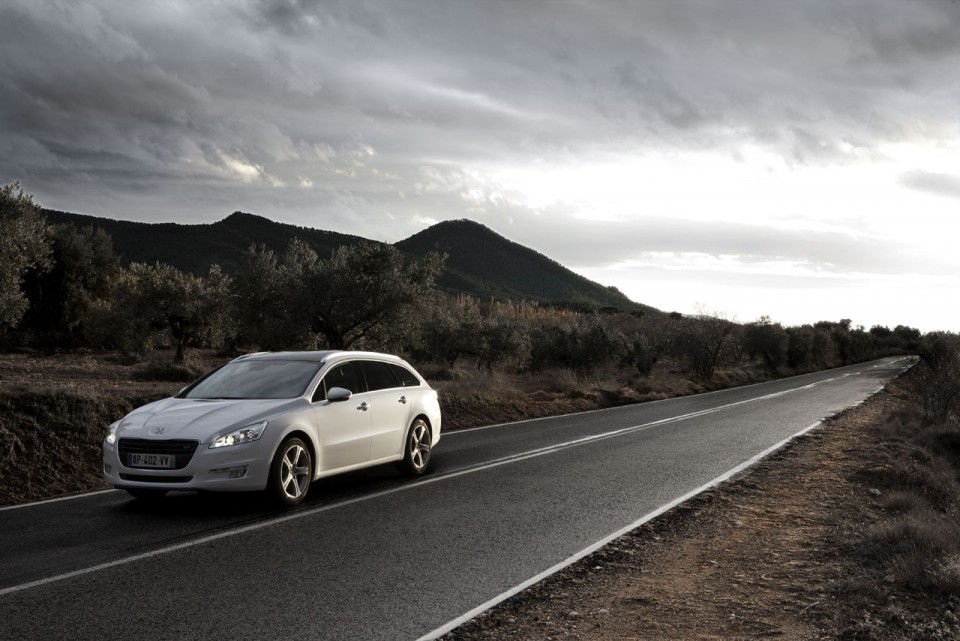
(143, 478)
(181, 449)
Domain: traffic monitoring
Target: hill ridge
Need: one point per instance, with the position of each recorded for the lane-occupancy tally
(510, 270)
(480, 262)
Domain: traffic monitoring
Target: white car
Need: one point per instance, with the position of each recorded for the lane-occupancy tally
(277, 421)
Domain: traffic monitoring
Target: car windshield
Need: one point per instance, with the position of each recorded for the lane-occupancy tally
(256, 379)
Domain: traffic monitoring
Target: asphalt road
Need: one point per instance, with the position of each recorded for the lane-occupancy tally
(371, 555)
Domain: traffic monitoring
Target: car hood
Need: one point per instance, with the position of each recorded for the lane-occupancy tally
(200, 419)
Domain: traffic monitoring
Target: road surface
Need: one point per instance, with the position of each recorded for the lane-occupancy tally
(372, 555)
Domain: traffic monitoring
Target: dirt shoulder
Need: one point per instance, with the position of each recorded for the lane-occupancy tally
(767, 555)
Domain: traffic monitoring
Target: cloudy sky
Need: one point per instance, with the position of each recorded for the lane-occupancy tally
(799, 159)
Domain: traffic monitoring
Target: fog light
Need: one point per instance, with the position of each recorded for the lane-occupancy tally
(231, 472)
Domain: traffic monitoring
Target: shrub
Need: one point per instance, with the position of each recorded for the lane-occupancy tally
(582, 347)
(935, 381)
(706, 343)
(767, 339)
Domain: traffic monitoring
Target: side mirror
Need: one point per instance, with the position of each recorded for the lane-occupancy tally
(337, 394)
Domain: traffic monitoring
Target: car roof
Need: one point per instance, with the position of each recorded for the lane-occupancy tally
(314, 356)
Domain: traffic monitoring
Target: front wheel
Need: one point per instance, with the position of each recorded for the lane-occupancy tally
(416, 455)
(290, 472)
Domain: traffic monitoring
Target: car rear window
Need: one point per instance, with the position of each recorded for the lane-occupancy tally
(405, 376)
(379, 375)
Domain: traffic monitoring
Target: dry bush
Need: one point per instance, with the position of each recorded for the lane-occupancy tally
(918, 550)
(904, 502)
(934, 383)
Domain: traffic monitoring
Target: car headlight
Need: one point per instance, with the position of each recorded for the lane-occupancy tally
(112, 434)
(246, 434)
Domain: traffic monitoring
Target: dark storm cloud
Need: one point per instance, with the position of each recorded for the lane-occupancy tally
(329, 112)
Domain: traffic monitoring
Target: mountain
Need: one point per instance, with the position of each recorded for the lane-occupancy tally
(485, 264)
(480, 262)
(194, 248)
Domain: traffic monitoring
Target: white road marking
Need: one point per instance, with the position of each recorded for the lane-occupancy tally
(59, 498)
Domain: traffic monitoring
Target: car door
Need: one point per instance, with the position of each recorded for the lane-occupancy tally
(390, 407)
(343, 427)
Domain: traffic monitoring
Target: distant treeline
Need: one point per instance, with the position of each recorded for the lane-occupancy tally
(62, 287)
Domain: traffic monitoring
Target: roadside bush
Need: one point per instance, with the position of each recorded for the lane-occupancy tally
(451, 331)
(501, 342)
(707, 343)
(920, 550)
(766, 339)
(800, 346)
(581, 347)
(640, 353)
(935, 381)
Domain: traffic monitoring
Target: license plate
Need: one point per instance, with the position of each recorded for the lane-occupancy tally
(163, 461)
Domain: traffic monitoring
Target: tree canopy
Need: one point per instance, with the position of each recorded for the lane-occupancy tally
(23, 245)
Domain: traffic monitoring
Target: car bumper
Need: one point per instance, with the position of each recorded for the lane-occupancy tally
(230, 469)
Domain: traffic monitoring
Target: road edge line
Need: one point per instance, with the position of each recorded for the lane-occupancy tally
(54, 500)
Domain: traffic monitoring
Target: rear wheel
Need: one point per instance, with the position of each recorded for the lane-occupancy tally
(146, 494)
(416, 454)
(290, 472)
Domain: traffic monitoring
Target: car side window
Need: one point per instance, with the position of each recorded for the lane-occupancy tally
(405, 376)
(345, 375)
(379, 376)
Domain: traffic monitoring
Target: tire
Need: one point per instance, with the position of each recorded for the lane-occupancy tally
(290, 472)
(146, 493)
(416, 451)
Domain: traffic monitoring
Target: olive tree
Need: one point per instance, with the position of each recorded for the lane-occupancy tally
(369, 295)
(767, 339)
(153, 300)
(23, 245)
(366, 295)
(451, 330)
(81, 272)
(706, 343)
(269, 295)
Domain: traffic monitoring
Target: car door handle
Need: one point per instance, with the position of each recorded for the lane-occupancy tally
(403, 399)
(362, 406)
